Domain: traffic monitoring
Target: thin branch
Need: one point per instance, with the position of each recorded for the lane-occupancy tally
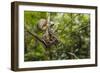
(35, 35)
(73, 55)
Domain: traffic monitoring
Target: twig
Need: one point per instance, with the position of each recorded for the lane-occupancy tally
(73, 55)
(38, 38)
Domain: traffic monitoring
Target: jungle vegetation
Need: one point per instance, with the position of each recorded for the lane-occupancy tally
(71, 33)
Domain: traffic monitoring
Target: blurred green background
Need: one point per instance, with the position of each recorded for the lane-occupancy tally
(71, 29)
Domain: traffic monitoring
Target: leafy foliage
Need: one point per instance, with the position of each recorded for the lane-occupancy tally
(71, 29)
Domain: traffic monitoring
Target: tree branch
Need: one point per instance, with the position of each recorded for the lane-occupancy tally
(36, 36)
(73, 55)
